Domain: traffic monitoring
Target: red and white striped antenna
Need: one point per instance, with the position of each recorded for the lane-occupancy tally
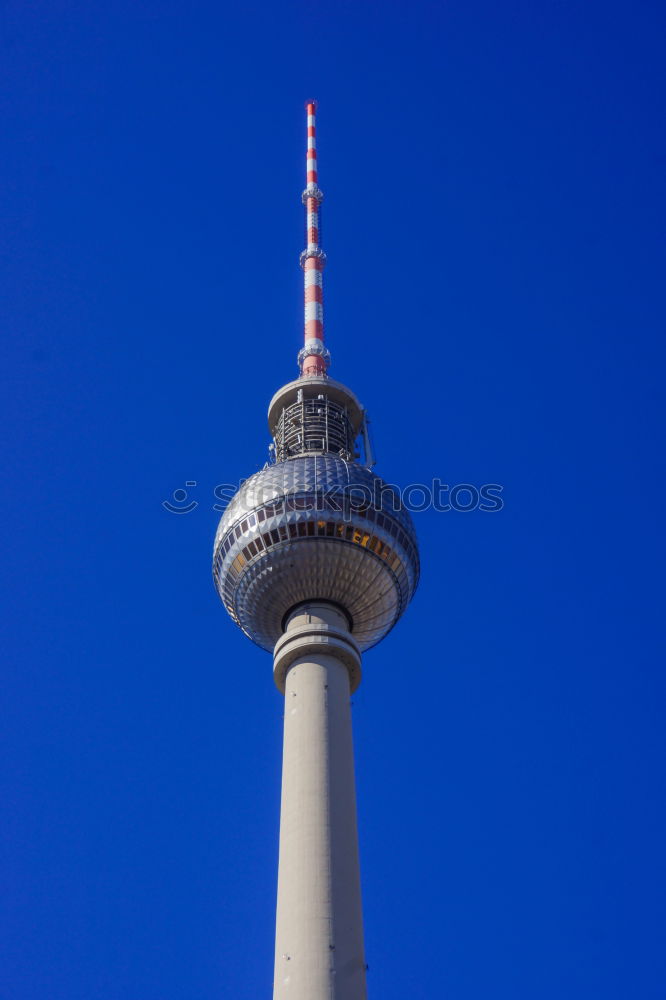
(313, 358)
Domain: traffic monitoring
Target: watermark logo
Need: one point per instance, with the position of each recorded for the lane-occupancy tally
(347, 498)
(177, 504)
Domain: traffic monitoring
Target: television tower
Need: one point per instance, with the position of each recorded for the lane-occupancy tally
(316, 559)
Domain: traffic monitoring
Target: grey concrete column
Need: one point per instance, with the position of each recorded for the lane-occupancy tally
(319, 952)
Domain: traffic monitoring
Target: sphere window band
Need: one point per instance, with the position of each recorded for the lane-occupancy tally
(324, 529)
(305, 502)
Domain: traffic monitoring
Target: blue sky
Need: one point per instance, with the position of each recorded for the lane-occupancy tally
(494, 221)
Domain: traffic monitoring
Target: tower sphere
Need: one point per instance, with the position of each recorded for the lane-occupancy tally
(315, 524)
(315, 527)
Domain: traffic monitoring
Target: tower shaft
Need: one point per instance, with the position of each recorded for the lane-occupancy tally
(319, 953)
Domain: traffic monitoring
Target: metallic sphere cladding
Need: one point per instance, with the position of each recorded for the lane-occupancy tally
(315, 527)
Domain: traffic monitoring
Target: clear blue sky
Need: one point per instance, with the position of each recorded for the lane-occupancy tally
(494, 218)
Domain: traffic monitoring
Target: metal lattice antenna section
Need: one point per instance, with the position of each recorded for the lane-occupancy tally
(313, 358)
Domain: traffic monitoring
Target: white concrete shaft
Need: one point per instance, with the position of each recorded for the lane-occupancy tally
(319, 952)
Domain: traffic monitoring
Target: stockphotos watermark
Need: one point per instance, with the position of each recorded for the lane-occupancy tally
(346, 498)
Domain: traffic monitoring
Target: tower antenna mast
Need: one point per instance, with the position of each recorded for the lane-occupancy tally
(313, 358)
